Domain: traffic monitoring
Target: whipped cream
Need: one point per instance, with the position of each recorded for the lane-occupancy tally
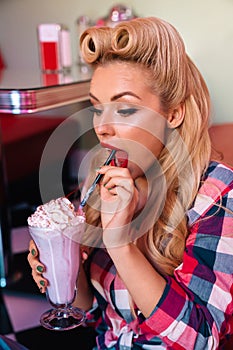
(57, 214)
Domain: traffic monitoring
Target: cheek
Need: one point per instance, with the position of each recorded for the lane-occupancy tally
(146, 142)
(97, 132)
(154, 144)
(143, 150)
(95, 125)
(149, 129)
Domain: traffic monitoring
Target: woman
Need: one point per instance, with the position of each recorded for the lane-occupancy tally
(164, 278)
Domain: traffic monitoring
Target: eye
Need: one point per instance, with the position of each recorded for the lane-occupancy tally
(125, 112)
(96, 111)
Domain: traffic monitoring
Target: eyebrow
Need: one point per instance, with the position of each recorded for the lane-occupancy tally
(116, 97)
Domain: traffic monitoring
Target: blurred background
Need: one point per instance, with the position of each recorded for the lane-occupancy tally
(206, 27)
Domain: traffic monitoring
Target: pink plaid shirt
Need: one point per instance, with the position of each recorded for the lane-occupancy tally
(196, 308)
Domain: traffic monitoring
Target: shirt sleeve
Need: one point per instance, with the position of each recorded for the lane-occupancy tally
(196, 307)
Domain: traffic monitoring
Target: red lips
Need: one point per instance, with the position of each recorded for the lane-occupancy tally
(120, 160)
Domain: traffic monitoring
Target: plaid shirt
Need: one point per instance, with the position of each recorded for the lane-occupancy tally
(196, 308)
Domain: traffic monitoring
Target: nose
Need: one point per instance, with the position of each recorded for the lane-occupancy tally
(104, 126)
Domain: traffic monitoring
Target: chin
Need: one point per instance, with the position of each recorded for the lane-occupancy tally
(135, 170)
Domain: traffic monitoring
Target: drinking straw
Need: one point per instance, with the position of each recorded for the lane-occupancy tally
(96, 181)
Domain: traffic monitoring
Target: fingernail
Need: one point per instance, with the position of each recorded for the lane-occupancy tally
(33, 252)
(42, 283)
(40, 268)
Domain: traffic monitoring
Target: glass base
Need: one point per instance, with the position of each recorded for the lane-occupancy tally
(62, 319)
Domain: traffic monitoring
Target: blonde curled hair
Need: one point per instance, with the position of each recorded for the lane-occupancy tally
(156, 46)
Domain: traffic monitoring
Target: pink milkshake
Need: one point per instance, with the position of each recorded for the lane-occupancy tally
(57, 230)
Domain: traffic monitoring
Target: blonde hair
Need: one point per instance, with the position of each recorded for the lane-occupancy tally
(156, 45)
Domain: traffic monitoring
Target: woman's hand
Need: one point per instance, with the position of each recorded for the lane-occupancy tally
(120, 201)
(37, 267)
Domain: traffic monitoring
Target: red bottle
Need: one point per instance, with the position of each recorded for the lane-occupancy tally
(48, 35)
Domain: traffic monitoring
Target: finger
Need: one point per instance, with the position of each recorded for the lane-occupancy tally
(32, 248)
(109, 172)
(35, 264)
(118, 181)
(32, 259)
(84, 255)
(40, 281)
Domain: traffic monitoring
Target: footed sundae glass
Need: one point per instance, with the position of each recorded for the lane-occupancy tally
(59, 252)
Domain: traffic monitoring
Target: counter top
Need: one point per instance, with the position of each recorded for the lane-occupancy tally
(33, 91)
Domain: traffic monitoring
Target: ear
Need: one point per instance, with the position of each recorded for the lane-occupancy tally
(176, 116)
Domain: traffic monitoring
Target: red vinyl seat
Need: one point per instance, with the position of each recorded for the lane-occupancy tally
(222, 141)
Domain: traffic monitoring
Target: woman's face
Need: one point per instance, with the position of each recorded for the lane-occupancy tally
(127, 114)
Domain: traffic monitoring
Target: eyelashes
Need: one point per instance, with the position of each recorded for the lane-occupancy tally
(127, 111)
(124, 112)
(95, 111)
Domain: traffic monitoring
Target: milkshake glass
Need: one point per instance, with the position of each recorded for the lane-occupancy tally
(59, 251)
